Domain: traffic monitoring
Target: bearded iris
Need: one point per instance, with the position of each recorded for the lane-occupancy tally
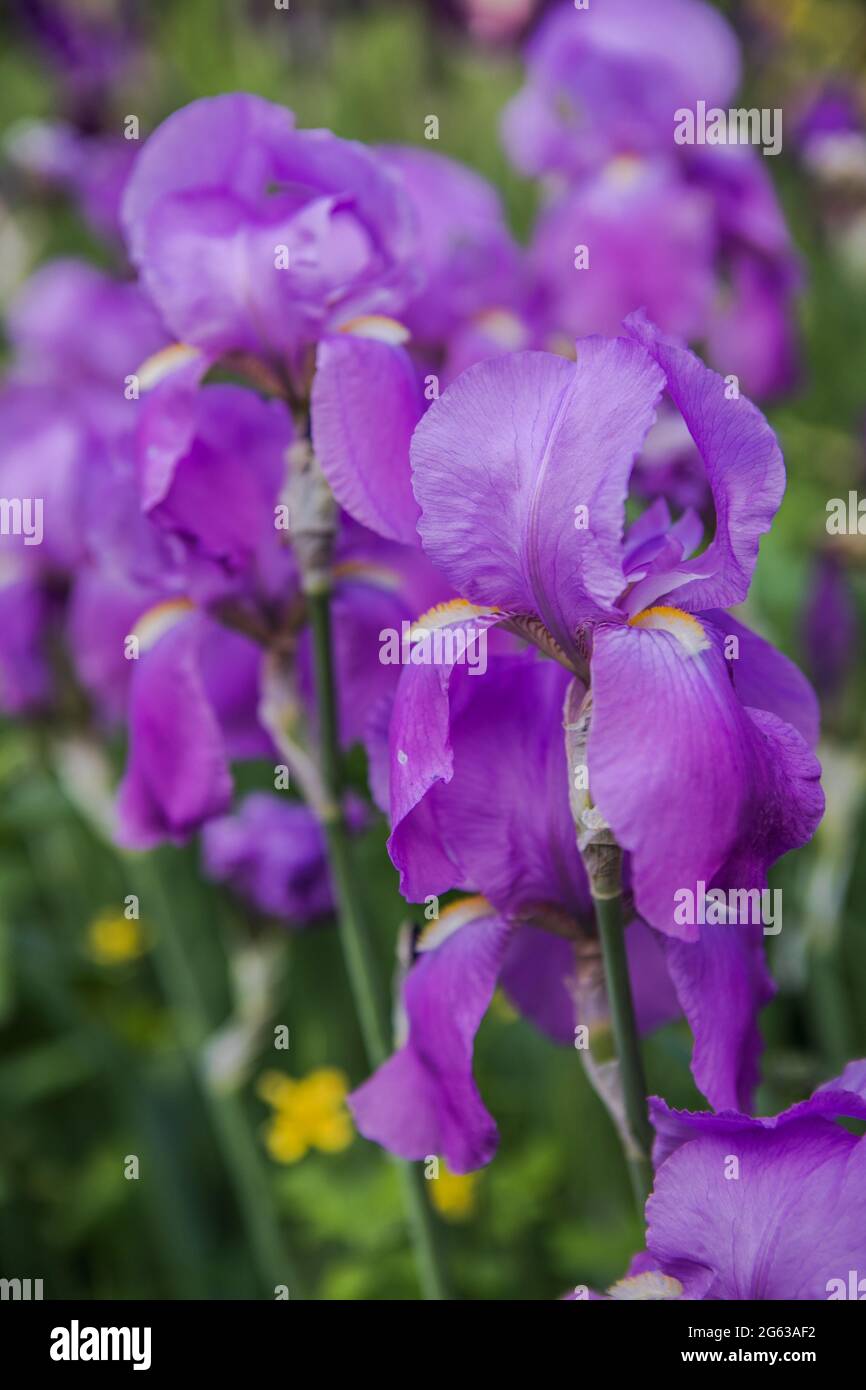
(349, 286)
(699, 762)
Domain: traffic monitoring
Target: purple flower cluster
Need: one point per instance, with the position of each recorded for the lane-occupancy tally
(296, 291)
(693, 233)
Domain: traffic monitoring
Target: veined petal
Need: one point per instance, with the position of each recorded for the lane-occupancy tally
(504, 462)
(765, 678)
(479, 787)
(722, 983)
(791, 1221)
(366, 402)
(705, 794)
(744, 467)
(424, 1101)
(690, 780)
(177, 775)
(844, 1097)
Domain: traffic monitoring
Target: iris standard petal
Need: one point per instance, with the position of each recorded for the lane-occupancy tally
(365, 404)
(521, 472)
(743, 464)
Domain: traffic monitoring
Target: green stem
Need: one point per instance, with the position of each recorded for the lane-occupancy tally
(608, 915)
(361, 966)
(828, 1007)
(237, 1146)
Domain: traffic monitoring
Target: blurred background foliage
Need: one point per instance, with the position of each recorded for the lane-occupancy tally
(149, 1039)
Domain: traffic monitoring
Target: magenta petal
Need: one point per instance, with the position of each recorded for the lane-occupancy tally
(166, 424)
(469, 259)
(538, 975)
(424, 1101)
(744, 467)
(720, 788)
(220, 494)
(87, 332)
(273, 852)
(791, 1221)
(766, 679)
(650, 240)
(177, 775)
(103, 610)
(366, 402)
(609, 79)
(852, 1082)
(655, 998)
(479, 791)
(842, 1097)
(502, 462)
(231, 670)
(726, 964)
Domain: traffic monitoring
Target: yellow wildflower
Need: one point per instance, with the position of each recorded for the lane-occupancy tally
(454, 1194)
(113, 939)
(309, 1113)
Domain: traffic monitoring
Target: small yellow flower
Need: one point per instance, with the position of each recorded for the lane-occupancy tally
(454, 1194)
(113, 939)
(308, 1114)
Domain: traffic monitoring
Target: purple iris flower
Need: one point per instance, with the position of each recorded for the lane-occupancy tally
(701, 244)
(193, 706)
(196, 690)
(211, 465)
(479, 802)
(253, 236)
(273, 853)
(756, 1209)
(77, 337)
(607, 80)
(471, 264)
(158, 494)
(650, 240)
(694, 234)
(375, 378)
(83, 333)
(209, 469)
(699, 754)
(197, 687)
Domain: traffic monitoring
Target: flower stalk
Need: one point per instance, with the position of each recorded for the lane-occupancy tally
(626, 1093)
(637, 1134)
(313, 527)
